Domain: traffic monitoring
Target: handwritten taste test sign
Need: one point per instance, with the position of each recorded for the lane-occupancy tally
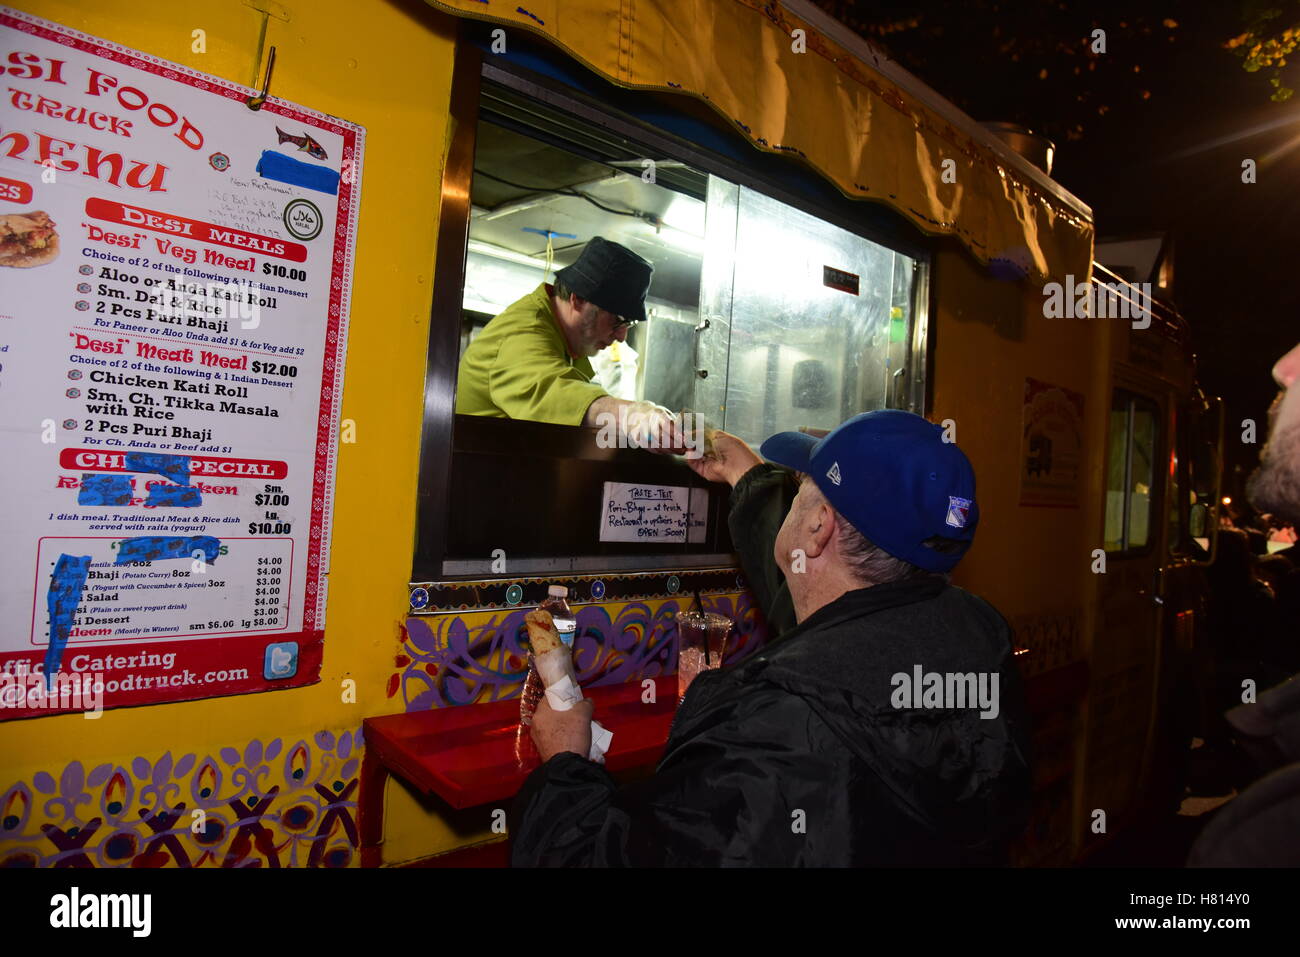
(653, 513)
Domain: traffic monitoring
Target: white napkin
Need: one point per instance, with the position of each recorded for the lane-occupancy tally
(555, 668)
(563, 694)
(600, 741)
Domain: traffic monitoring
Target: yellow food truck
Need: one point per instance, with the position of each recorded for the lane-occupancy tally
(829, 236)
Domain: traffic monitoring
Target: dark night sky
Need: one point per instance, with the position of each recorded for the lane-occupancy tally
(1138, 145)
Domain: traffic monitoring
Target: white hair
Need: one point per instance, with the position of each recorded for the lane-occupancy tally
(868, 562)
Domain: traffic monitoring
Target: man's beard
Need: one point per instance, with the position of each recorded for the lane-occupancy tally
(1274, 487)
(589, 329)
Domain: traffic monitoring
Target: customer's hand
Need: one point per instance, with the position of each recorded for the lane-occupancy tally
(557, 731)
(728, 459)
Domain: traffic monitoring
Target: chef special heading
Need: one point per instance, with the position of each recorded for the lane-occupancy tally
(111, 95)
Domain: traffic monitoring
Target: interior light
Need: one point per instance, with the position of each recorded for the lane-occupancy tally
(680, 239)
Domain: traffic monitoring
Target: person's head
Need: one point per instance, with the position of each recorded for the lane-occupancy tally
(1240, 514)
(587, 327)
(1271, 569)
(601, 294)
(1275, 485)
(1233, 560)
(882, 498)
(817, 543)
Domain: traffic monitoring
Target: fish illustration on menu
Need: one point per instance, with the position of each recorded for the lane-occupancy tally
(304, 143)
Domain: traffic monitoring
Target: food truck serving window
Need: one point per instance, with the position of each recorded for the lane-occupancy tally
(761, 317)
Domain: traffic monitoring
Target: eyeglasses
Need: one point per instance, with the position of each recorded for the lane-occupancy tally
(620, 322)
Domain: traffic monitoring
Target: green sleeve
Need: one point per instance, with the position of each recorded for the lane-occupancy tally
(759, 503)
(529, 381)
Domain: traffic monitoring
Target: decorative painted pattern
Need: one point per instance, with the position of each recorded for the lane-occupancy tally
(455, 659)
(269, 805)
(503, 594)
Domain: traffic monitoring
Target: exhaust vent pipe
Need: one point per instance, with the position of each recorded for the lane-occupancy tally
(1038, 149)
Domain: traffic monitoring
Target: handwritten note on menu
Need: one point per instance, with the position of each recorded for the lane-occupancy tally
(653, 513)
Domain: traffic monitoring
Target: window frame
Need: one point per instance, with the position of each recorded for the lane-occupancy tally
(1157, 516)
(473, 73)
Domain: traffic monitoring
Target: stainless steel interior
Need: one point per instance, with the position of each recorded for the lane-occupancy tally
(744, 324)
(509, 224)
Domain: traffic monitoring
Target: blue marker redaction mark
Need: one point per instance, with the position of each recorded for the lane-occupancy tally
(148, 548)
(66, 584)
(104, 490)
(286, 169)
(174, 467)
(177, 496)
(550, 233)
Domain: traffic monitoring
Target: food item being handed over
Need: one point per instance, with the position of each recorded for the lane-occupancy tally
(27, 239)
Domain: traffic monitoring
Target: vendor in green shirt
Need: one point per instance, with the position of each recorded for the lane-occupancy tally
(532, 360)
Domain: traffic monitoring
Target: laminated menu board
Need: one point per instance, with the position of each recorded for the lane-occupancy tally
(174, 281)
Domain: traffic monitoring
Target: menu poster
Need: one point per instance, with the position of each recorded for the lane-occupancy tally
(174, 282)
(1051, 447)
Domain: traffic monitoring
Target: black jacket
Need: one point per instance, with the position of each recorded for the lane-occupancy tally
(797, 756)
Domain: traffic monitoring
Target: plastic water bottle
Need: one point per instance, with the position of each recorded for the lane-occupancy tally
(566, 625)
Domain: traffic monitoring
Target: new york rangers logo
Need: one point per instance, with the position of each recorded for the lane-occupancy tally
(958, 511)
(833, 473)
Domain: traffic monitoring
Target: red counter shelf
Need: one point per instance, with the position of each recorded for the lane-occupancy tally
(476, 754)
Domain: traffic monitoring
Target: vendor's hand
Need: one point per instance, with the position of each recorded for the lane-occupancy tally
(654, 427)
(727, 460)
(557, 731)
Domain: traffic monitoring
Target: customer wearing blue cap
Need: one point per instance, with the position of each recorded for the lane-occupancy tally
(885, 724)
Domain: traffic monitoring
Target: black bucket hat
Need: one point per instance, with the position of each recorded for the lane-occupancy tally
(612, 276)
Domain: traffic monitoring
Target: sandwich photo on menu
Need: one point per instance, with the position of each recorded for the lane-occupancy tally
(27, 239)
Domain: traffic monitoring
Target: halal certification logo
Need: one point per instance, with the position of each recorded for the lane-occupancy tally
(219, 162)
(303, 219)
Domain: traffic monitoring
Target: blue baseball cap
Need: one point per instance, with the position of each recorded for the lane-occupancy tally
(895, 479)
